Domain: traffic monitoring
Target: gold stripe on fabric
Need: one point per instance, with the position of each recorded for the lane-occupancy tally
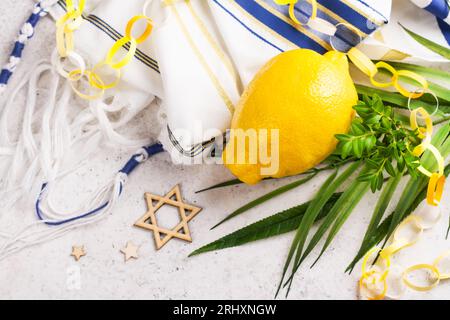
(222, 56)
(226, 99)
(393, 54)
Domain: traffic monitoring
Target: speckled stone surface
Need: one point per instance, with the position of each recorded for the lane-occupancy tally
(248, 272)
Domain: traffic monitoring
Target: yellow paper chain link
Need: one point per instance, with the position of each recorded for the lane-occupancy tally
(66, 25)
(76, 75)
(292, 9)
(371, 276)
(435, 272)
(443, 275)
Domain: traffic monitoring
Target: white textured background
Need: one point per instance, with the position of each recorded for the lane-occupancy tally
(248, 272)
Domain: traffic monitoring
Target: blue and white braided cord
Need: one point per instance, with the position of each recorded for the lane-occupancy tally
(26, 32)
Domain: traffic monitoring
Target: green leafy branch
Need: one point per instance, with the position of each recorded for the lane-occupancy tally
(381, 140)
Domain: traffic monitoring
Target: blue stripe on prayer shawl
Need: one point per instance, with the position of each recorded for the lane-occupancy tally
(439, 8)
(283, 28)
(320, 13)
(345, 12)
(386, 20)
(365, 27)
(247, 27)
(445, 29)
(292, 34)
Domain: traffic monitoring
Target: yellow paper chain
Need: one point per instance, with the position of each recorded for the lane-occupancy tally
(436, 272)
(77, 75)
(374, 279)
(437, 179)
(363, 63)
(66, 25)
(71, 21)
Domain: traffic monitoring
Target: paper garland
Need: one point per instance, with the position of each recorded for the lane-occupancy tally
(373, 283)
(71, 21)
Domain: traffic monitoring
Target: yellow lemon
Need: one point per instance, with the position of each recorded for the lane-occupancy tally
(287, 118)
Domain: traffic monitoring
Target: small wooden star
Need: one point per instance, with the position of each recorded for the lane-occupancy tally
(148, 221)
(130, 251)
(78, 252)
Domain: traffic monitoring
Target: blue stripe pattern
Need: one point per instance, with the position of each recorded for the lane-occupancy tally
(386, 20)
(283, 28)
(247, 27)
(350, 15)
(289, 32)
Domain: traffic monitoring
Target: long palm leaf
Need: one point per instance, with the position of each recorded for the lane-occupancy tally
(265, 198)
(275, 225)
(441, 50)
(322, 197)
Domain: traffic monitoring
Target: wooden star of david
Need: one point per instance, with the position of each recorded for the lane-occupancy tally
(148, 221)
